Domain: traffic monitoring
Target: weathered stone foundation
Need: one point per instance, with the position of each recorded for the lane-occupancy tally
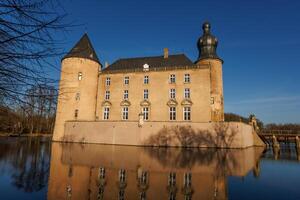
(179, 134)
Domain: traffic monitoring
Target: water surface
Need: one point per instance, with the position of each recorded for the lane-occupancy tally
(35, 168)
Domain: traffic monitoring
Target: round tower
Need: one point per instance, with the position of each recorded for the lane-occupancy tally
(207, 45)
(77, 86)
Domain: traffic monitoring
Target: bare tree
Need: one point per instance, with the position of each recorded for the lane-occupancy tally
(28, 47)
(28, 29)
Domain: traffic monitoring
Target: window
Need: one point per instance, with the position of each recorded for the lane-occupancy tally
(212, 100)
(172, 113)
(107, 81)
(106, 113)
(76, 114)
(172, 93)
(145, 113)
(125, 113)
(187, 93)
(79, 76)
(125, 94)
(77, 96)
(187, 78)
(187, 113)
(146, 94)
(172, 78)
(146, 79)
(107, 95)
(126, 80)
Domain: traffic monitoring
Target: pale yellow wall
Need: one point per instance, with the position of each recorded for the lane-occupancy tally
(158, 87)
(69, 86)
(216, 81)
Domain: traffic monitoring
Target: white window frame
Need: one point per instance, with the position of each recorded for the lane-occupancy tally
(187, 113)
(79, 76)
(146, 79)
(126, 94)
(125, 111)
(145, 111)
(172, 93)
(187, 93)
(107, 81)
(107, 95)
(146, 94)
(172, 113)
(126, 80)
(172, 78)
(106, 113)
(187, 78)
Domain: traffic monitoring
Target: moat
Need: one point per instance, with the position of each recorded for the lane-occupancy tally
(35, 168)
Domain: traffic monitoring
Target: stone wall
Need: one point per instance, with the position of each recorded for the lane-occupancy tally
(70, 86)
(159, 97)
(222, 135)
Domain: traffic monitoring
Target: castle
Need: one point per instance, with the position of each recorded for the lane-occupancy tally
(97, 103)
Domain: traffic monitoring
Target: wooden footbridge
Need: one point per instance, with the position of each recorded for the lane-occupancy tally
(281, 136)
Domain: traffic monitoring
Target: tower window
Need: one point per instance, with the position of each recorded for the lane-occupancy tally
(126, 80)
(146, 79)
(125, 113)
(172, 93)
(187, 113)
(76, 114)
(187, 93)
(107, 95)
(172, 78)
(77, 96)
(125, 96)
(79, 76)
(145, 113)
(172, 112)
(212, 100)
(107, 81)
(146, 94)
(106, 113)
(187, 78)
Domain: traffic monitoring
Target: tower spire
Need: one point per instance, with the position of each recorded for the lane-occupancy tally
(83, 49)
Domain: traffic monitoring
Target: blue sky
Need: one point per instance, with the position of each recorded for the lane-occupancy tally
(258, 41)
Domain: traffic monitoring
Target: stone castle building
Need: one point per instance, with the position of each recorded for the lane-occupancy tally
(159, 88)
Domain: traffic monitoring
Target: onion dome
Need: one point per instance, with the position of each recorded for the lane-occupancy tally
(207, 44)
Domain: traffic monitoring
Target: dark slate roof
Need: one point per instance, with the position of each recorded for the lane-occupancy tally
(153, 62)
(83, 49)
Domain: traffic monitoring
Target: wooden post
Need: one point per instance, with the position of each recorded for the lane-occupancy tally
(297, 141)
(275, 142)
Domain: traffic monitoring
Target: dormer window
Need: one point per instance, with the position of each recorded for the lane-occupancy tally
(79, 76)
(145, 67)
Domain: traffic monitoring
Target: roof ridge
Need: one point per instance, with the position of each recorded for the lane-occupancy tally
(152, 56)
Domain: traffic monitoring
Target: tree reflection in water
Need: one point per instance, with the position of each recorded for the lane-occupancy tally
(26, 161)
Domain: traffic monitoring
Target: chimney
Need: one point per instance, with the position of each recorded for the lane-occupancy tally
(166, 53)
(106, 64)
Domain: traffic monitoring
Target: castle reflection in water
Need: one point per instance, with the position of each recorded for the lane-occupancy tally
(122, 172)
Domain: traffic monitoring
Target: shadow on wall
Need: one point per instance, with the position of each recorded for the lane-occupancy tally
(220, 137)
